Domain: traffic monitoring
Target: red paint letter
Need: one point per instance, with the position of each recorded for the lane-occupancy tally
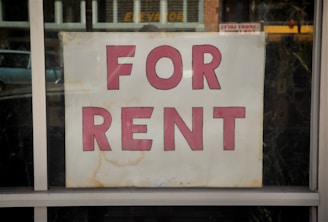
(114, 69)
(229, 114)
(201, 70)
(152, 59)
(128, 128)
(194, 137)
(92, 131)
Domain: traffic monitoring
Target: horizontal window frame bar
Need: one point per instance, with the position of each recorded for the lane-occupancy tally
(100, 25)
(177, 25)
(14, 24)
(122, 26)
(162, 197)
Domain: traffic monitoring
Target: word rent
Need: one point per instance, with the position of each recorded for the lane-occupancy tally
(201, 72)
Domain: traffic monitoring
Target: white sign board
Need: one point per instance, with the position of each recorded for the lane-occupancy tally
(163, 109)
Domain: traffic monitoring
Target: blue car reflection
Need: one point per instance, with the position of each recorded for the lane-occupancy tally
(15, 71)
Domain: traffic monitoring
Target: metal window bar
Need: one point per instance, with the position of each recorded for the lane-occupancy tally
(94, 11)
(185, 10)
(58, 12)
(163, 11)
(201, 11)
(115, 10)
(322, 162)
(82, 12)
(136, 11)
(315, 97)
(1, 14)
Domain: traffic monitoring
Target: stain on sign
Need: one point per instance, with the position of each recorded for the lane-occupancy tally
(163, 109)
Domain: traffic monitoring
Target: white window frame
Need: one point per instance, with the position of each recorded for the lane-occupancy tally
(316, 196)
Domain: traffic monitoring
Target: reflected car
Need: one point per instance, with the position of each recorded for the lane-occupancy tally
(15, 70)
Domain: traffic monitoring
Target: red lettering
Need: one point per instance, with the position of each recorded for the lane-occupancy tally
(128, 128)
(201, 70)
(152, 59)
(114, 69)
(194, 137)
(92, 132)
(229, 114)
(97, 132)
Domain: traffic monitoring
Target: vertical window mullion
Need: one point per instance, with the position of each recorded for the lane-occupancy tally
(38, 95)
(40, 214)
(185, 10)
(201, 11)
(82, 12)
(1, 14)
(58, 11)
(163, 11)
(323, 130)
(115, 9)
(94, 11)
(136, 11)
(38, 102)
(315, 96)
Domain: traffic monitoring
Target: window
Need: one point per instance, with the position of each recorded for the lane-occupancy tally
(294, 149)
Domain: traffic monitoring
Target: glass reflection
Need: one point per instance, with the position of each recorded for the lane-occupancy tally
(182, 213)
(289, 28)
(16, 139)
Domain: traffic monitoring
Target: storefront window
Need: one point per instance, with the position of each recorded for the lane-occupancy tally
(288, 90)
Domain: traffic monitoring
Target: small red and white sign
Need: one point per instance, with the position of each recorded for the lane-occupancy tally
(163, 109)
(240, 27)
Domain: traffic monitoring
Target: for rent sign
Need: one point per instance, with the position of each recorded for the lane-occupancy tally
(163, 109)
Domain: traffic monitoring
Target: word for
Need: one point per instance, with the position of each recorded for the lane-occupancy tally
(97, 132)
(201, 70)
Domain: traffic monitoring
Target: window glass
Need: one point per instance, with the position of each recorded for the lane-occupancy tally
(17, 214)
(71, 11)
(16, 143)
(287, 98)
(175, 14)
(287, 112)
(267, 11)
(286, 142)
(15, 12)
(49, 7)
(125, 11)
(287, 87)
(165, 213)
(150, 11)
(192, 11)
(105, 11)
(235, 11)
